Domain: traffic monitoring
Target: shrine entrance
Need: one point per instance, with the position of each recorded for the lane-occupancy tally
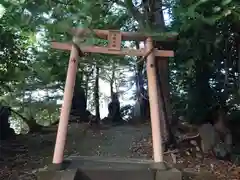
(111, 168)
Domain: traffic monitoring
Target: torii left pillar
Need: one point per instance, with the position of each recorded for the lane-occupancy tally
(66, 106)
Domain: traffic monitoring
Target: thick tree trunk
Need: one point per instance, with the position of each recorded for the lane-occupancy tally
(96, 95)
(166, 113)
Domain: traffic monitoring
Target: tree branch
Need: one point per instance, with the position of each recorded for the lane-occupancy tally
(132, 11)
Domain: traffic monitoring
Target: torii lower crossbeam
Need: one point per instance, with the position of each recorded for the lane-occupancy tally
(105, 50)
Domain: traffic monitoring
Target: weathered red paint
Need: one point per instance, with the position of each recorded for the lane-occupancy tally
(149, 51)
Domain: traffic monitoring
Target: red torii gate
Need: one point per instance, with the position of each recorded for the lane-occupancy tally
(114, 38)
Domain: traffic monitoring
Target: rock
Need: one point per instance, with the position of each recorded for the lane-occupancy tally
(208, 136)
(220, 142)
(114, 109)
(223, 147)
(220, 151)
(137, 110)
(228, 142)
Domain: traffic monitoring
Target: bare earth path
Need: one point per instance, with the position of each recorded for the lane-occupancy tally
(115, 141)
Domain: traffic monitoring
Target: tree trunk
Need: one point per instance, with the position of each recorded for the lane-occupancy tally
(86, 88)
(162, 67)
(96, 95)
(164, 97)
(226, 69)
(238, 66)
(139, 75)
(86, 81)
(141, 98)
(112, 79)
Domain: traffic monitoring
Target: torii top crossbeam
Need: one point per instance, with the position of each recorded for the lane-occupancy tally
(114, 47)
(114, 38)
(126, 36)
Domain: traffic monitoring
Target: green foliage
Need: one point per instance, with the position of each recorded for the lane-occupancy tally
(207, 45)
(33, 75)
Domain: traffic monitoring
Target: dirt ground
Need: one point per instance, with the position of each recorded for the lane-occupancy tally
(24, 155)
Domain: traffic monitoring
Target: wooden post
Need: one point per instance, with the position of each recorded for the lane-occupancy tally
(66, 106)
(154, 103)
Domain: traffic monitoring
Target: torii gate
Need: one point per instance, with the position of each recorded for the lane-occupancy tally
(114, 38)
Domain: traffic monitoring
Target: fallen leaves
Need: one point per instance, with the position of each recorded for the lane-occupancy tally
(24, 156)
(222, 170)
